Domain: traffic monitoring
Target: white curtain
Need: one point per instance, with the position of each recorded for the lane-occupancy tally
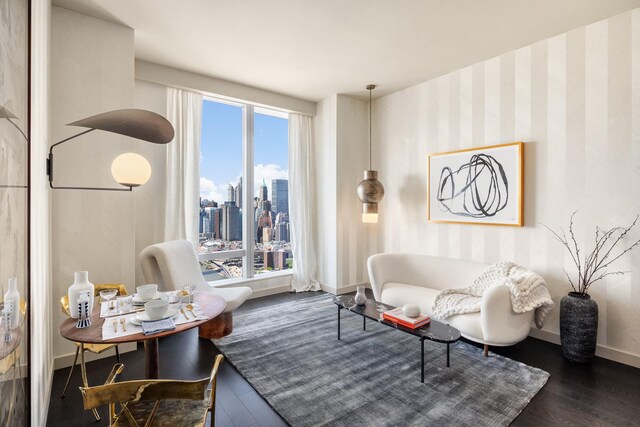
(300, 204)
(184, 111)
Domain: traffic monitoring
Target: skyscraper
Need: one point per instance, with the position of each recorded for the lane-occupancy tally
(238, 193)
(216, 223)
(264, 192)
(282, 232)
(280, 195)
(231, 195)
(231, 222)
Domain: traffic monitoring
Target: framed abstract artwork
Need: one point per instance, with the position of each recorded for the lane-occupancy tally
(483, 185)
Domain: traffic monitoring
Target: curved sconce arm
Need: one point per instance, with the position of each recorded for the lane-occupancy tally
(50, 169)
(134, 123)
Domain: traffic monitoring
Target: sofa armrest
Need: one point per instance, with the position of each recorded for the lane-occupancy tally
(500, 324)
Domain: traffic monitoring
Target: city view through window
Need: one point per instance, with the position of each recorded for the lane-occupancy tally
(223, 246)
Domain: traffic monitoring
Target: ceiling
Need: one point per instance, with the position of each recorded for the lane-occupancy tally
(313, 49)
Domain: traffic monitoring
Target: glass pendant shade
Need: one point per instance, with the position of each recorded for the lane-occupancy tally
(131, 170)
(370, 191)
(369, 218)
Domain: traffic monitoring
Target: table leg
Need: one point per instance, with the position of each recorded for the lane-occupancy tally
(151, 363)
(447, 355)
(364, 323)
(339, 308)
(422, 361)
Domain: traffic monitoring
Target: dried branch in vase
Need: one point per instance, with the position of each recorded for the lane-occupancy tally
(593, 266)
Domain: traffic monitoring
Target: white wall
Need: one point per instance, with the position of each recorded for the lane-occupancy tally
(92, 71)
(574, 99)
(325, 169)
(40, 341)
(149, 201)
(356, 240)
(343, 243)
(172, 77)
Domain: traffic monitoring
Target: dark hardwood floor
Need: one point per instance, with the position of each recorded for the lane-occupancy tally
(602, 393)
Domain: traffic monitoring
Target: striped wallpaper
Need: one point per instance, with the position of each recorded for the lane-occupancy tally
(574, 100)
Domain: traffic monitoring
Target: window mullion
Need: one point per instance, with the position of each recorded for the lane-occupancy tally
(248, 232)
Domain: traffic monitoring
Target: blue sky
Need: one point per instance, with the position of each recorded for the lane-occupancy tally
(221, 148)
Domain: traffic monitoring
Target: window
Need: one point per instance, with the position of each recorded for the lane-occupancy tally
(244, 191)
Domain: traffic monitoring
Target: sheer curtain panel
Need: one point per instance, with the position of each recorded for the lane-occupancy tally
(300, 204)
(184, 111)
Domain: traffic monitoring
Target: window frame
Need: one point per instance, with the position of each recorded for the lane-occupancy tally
(248, 168)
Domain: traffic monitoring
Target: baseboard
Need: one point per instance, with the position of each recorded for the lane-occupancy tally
(258, 293)
(343, 289)
(65, 360)
(602, 351)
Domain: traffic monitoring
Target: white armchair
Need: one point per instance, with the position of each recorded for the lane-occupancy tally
(399, 279)
(174, 264)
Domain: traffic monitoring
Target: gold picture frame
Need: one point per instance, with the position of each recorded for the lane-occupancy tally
(479, 186)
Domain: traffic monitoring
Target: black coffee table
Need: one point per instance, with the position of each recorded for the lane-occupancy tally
(434, 331)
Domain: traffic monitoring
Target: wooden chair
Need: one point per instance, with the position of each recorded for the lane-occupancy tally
(81, 348)
(159, 403)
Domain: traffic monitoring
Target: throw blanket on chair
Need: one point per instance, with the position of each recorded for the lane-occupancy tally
(528, 292)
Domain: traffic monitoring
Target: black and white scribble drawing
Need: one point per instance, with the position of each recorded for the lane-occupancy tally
(481, 185)
(477, 189)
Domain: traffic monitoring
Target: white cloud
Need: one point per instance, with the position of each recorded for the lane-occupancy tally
(218, 192)
(211, 191)
(268, 173)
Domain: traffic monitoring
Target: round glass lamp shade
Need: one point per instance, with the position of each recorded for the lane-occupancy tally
(370, 192)
(131, 170)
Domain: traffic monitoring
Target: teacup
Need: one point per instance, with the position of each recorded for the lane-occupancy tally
(146, 292)
(156, 309)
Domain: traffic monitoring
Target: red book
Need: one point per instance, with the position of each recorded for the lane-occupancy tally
(397, 316)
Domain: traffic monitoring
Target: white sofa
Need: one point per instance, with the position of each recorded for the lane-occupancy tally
(399, 279)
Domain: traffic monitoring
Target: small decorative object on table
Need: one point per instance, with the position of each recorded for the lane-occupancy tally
(186, 294)
(578, 312)
(12, 302)
(81, 284)
(361, 297)
(83, 304)
(411, 310)
(6, 323)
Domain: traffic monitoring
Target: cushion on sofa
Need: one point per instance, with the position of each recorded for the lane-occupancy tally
(399, 294)
(469, 324)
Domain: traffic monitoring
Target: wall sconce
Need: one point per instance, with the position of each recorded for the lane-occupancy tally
(129, 169)
(370, 190)
(9, 116)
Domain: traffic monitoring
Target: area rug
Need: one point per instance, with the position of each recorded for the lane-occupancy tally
(291, 356)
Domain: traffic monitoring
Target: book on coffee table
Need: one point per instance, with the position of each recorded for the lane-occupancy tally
(397, 316)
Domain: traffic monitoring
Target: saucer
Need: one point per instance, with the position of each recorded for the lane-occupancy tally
(142, 317)
(137, 300)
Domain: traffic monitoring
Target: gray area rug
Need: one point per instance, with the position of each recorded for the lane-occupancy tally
(291, 356)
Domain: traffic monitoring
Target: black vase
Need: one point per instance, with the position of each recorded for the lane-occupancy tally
(578, 327)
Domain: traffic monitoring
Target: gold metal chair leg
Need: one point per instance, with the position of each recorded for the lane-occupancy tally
(83, 369)
(75, 360)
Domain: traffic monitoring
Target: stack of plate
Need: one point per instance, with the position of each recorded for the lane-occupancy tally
(143, 317)
(139, 302)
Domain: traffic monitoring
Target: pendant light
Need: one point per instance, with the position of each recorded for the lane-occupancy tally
(370, 190)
